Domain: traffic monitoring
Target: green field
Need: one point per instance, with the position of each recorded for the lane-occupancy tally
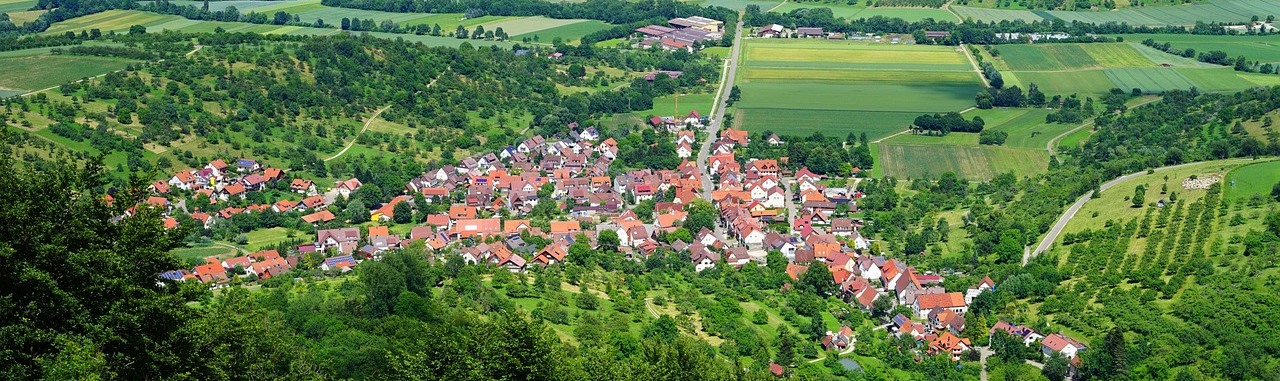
(7, 6)
(1255, 48)
(567, 32)
(309, 11)
(876, 124)
(931, 160)
(802, 86)
(1091, 69)
(1026, 127)
(1251, 180)
(1211, 10)
(119, 21)
(35, 69)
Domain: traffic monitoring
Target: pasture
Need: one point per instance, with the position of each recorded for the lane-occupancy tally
(1253, 179)
(572, 31)
(929, 161)
(1026, 126)
(1208, 11)
(802, 86)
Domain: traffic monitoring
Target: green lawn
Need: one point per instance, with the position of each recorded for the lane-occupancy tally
(266, 238)
(1026, 126)
(572, 31)
(1252, 179)
(190, 253)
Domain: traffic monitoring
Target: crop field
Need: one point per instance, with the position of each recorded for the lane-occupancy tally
(799, 122)
(837, 9)
(572, 31)
(931, 160)
(7, 6)
(1212, 10)
(1255, 48)
(1090, 69)
(518, 27)
(802, 86)
(118, 20)
(35, 69)
(741, 4)
(908, 14)
(1251, 180)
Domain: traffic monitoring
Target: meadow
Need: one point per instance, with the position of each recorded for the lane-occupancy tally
(8, 6)
(1255, 48)
(35, 69)
(1252, 180)
(1091, 69)
(1211, 10)
(913, 161)
(517, 27)
(120, 21)
(802, 86)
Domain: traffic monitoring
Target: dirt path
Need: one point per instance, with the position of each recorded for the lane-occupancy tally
(947, 7)
(972, 62)
(776, 6)
(353, 138)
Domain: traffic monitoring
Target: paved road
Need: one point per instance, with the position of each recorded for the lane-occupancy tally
(1071, 212)
(353, 138)
(717, 120)
(983, 353)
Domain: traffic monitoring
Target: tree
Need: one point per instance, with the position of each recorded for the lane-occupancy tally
(786, 347)
(403, 213)
(607, 240)
(280, 18)
(1139, 194)
(817, 280)
(1055, 368)
(1007, 348)
(701, 215)
(346, 23)
(383, 285)
(357, 211)
(1275, 192)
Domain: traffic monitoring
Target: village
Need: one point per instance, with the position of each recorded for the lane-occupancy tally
(491, 210)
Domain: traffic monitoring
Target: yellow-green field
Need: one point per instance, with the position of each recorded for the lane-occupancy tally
(929, 161)
(801, 86)
(35, 69)
(1095, 68)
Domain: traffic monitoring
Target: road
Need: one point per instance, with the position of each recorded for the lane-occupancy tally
(1071, 212)
(353, 138)
(722, 99)
(983, 353)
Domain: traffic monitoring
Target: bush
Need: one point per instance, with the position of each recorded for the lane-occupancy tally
(991, 137)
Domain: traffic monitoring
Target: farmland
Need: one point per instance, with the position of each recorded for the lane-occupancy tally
(838, 87)
(309, 11)
(1255, 48)
(984, 162)
(119, 21)
(859, 11)
(1212, 10)
(9, 6)
(35, 69)
(1095, 68)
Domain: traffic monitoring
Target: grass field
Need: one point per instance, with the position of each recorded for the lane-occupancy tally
(1113, 205)
(9, 6)
(1026, 127)
(1091, 69)
(1252, 179)
(309, 11)
(35, 69)
(932, 160)
(1259, 48)
(1211, 10)
(803, 86)
(567, 32)
(118, 20)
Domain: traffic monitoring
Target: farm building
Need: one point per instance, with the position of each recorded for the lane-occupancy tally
(698, 22)
(809, 32)
(771, 31)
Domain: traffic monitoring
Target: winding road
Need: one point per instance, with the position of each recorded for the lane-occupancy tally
(1066, 217)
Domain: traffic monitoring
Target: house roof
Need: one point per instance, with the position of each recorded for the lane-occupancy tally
(1057, 342)
(947, 300)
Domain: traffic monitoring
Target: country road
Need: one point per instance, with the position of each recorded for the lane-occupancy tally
(353, 138)
(721, 102)
(1071, 212)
